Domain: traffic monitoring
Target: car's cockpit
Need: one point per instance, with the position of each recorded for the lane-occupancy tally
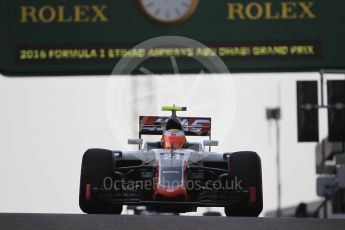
(149, 145)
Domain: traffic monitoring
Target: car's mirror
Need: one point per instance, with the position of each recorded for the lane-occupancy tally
(210, 143)
(135, 141)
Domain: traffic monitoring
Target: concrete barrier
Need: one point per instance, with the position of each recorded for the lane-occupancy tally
(113, 222)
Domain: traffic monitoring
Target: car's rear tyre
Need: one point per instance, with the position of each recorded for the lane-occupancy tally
(246, 167)
(97, 165)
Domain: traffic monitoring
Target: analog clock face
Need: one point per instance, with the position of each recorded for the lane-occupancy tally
(169, 11)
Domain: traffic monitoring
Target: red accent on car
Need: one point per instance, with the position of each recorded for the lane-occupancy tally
(88, 192)
(173, 142)
(252, 194)
(169, 192)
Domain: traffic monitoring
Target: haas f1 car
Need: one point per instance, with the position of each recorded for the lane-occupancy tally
(171, 175)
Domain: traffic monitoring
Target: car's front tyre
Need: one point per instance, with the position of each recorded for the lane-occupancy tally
(246, 168)
(97, 165)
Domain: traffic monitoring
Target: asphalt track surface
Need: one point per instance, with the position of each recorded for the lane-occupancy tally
(113, 222)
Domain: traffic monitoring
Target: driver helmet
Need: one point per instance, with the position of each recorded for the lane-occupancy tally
(173, 139)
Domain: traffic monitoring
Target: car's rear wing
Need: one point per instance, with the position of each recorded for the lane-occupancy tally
(192, 126)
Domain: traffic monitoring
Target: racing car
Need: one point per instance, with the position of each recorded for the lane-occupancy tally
(172, 174)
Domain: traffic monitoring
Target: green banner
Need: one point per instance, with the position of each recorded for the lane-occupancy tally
(67, 37)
